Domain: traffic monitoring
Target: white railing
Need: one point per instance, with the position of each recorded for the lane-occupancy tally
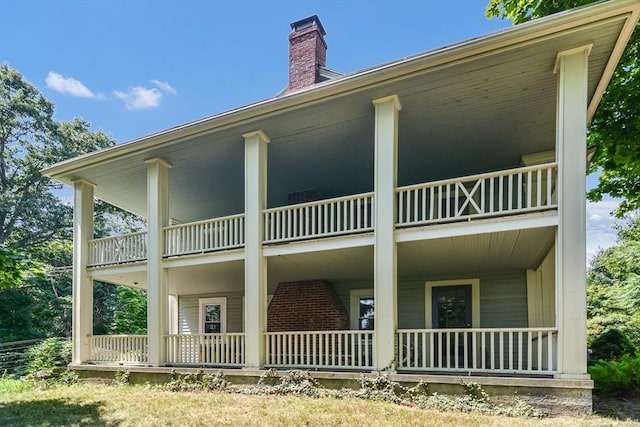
(519, 351)
(204, 236)
(505, 192)
(206, 349)
(118, 348)
(342, 215)
(118, 249)
(321, 349)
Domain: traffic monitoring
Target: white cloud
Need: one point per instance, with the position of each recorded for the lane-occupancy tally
(140, 98)
(165, 87)
(600, 234)
(69, 85)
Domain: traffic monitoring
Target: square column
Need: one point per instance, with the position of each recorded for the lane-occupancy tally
(385, 265)
(82, 326)
(157, 280)
(571, 146)
(255, 264)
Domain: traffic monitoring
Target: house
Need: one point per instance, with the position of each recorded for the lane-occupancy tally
(426, 216)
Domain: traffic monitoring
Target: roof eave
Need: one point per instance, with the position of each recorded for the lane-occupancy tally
(507, 38)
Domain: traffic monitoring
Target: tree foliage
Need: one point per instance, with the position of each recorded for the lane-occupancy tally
(615, 128)
(30, 139)
(613, 286)
(36, 222)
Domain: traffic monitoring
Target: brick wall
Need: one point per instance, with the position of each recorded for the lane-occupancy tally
(310, 305)
(307, 51)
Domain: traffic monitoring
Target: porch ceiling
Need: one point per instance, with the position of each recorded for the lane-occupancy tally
(421, 260)
(468, 114)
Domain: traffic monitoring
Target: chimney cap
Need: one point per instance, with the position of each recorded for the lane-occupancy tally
(308, 22)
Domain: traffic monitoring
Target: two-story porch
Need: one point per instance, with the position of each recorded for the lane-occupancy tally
(426, 215)
(469, 296)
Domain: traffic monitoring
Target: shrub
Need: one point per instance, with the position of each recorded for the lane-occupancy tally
(610, 345)
(50, 354)
(617, 377)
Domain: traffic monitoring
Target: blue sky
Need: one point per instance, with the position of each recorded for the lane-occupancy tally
(136, 67)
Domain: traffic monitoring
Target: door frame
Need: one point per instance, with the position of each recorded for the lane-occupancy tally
(475, 299)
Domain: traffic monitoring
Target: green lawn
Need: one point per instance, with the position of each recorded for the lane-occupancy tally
(102, 405)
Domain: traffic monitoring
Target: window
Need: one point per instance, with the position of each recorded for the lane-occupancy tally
(362, 309)
(213, 315)
(452, 303)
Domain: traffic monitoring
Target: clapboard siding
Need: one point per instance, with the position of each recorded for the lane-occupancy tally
(503, 302)
(188, 314)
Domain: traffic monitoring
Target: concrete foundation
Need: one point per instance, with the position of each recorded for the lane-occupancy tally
(551, 395)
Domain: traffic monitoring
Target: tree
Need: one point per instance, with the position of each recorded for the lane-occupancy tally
(30, 214)
(615, 128)
(613, 286)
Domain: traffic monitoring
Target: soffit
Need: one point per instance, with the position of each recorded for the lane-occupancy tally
(473, 115)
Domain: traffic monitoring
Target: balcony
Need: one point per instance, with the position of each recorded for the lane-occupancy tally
(496, 194)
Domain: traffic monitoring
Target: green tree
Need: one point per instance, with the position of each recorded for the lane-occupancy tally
(30, 214)
(613, 286)
(615, 128)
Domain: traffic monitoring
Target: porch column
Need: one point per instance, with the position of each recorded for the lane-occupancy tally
(157, 281)
(82, 326)
(385, 274)
(572, 67)
(255, 264)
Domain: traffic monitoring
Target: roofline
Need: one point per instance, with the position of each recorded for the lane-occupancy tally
(471, 49)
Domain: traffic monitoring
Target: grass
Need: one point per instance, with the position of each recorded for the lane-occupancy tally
(103, 405)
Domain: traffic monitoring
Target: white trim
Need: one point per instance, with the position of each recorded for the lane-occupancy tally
(475, 299)
(354, 304)
(222, 301)
(465, 228)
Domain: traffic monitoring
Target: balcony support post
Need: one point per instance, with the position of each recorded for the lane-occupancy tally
(571, 151)
(157, 280)
(385, 265)
(255, 264)
(82, 327)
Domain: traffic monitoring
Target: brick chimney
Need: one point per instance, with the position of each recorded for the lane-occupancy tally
(307, 53)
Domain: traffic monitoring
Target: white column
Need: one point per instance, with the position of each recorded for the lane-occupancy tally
(82, 327)
(572, 67)
(255, 264)
(385, 274)
(157, 281)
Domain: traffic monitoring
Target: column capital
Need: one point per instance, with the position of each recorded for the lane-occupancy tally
(158, 161)
(81, 181)
(576, 50)
(391, 98)
(260, 135)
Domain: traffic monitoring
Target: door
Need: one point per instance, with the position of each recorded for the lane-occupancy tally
(451, 310)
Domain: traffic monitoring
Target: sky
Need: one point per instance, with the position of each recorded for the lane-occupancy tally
(136, 67)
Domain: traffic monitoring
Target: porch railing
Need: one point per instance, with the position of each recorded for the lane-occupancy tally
(118, 249)
(118, 348)
(204, 236)
(206, 349)
(323, 218)
(519, 351)
(505, 192)
(322, 349)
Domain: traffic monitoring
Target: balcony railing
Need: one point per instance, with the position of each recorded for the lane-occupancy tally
(205, 236)
(118, 348)
(342, 215)
(206, 349)
(118, 249)
(514, 351)
(325, 349)
(509, 192)
(506, 192)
